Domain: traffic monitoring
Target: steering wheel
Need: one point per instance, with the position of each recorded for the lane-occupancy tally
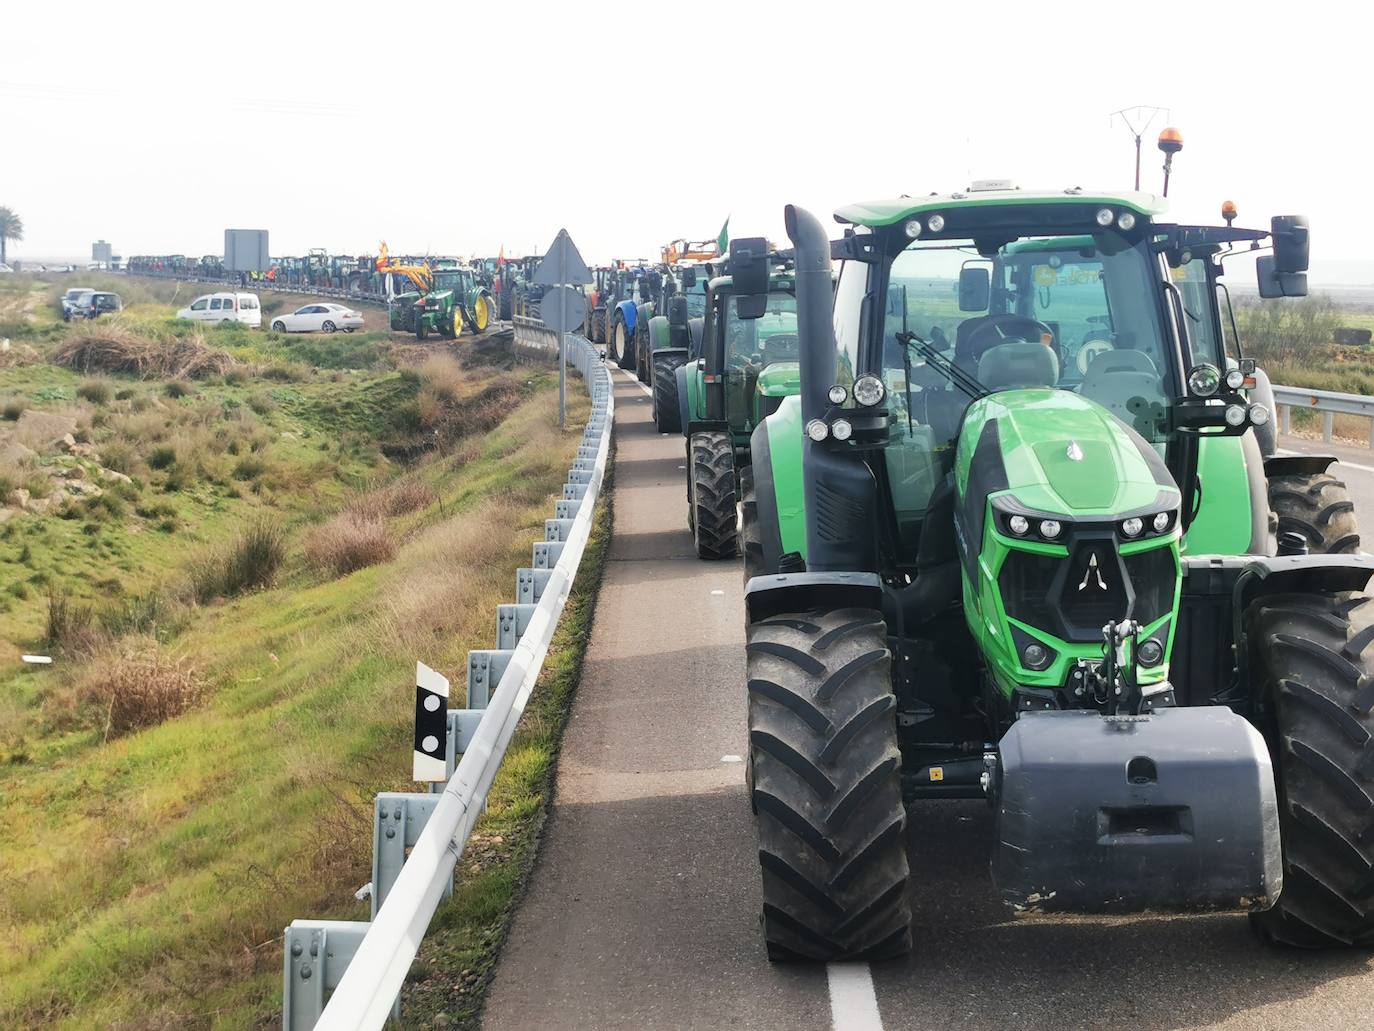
(998, 329)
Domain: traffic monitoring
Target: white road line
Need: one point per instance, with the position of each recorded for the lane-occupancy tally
(853, 1003)
(635, 380)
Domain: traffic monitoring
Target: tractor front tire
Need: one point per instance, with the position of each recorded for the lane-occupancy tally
(826, 787)
(421, 330)
(711, 470)
(1311, 657)
(1318, 506)
(751, 543)
(642, 359)
(623, 342)
(667, 416)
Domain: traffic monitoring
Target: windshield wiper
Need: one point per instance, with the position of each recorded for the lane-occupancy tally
(946, 368)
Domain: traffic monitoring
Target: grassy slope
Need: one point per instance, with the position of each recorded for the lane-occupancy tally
(152, 890)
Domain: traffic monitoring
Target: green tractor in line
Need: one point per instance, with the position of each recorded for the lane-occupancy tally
(445, 298)
(1019, 543)
(666, 343)
(741, 364)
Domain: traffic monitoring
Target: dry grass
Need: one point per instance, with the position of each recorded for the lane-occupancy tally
(139, 685)
(442, 377)
(400, 497)
(112, 348)
(349, 541)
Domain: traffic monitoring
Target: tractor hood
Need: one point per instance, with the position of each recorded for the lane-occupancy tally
(1058, 452)
(780, 379)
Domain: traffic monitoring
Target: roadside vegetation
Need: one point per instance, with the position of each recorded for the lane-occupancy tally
(234, 545)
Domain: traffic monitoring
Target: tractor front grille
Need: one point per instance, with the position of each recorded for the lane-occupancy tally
(1075, 596)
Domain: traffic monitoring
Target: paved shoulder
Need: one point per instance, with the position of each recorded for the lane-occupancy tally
(643, 909)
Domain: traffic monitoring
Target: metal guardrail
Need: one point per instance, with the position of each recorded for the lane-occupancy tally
(365, 964)
(1329, 402)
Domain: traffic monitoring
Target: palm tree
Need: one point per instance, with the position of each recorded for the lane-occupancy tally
(11, 228)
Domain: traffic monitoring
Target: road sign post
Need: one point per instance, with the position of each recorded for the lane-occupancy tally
(563, 308)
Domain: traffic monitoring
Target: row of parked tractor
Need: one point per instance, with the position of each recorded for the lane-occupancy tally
(1015, 527)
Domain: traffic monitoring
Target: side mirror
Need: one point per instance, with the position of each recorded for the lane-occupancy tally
(975, 288)
(749, 265)
(689, 278)
(1292, 242)
(1274, 282)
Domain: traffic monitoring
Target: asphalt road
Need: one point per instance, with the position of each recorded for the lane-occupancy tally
(643, 910)
(1355, 465)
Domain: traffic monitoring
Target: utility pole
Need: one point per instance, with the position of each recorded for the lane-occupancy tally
(1137, 119)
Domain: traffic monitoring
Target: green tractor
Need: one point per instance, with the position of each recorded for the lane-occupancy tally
(741, 364)
(667, 341)
(1019, 543)
(442, 299)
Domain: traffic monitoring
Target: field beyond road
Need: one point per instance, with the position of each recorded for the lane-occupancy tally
(234, 545)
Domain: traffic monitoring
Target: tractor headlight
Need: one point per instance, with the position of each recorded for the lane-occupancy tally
(1235, 415)
(1131, 527)
(913, 228)
(1050, 528)
(1235, 379)
(1105, 217)
(817, 430)
(1259, 415)
(868, 391)
(1018, 524)
(1203, 380)
(1125, 221)
(1150, 653)
(936, 223)
(1160, 522)
(841, 429)
(1035, 656)
(837, 394)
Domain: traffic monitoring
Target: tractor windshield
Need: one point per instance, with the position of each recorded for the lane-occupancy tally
(751, 345)
(1071, 312)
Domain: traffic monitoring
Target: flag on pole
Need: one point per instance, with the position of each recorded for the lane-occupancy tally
(723, 240)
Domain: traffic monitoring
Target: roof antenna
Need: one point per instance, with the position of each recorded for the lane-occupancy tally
(1137, 119)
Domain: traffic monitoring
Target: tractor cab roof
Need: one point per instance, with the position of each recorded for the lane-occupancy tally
(880, 213)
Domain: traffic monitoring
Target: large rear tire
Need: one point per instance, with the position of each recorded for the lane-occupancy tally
(666, 414)
(711, 482)
(1311, 660)
(623, 342)
(826, 788)
(642, 367)
(1318, 506)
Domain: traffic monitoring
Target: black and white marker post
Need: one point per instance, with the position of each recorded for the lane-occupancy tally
(562, 307)
(431, 724)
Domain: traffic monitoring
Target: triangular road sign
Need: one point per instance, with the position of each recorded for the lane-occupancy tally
(562, 264)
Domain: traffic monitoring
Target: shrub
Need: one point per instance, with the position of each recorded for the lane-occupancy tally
(251, 561)
(177, 389)
(261, 404)
(96, 391)
(125, 393)
(349, 541)
(12, 410)
(442, 375)
(250, 467)
(120, 456)
(71, 626)
(286, 372)
(140, 686)
(162, 456)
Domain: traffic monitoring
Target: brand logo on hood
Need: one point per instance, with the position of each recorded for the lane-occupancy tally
(1074, 452)
(1092, 576)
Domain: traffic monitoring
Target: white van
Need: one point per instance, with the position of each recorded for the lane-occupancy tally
(225, 307)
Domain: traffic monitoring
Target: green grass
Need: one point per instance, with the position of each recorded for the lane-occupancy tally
(153, 889)
(457, 959)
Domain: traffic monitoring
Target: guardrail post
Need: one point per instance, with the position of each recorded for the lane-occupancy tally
(1328, 422)
(1286, 419)
(317, 954)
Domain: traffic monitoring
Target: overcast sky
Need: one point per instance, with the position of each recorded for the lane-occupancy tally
(462, 127)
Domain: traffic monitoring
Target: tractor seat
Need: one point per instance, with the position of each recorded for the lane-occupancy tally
(1018, 364)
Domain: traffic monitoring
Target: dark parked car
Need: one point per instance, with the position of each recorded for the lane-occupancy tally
(91, 304)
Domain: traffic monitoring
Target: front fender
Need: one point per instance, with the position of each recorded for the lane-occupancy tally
(627, 315)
